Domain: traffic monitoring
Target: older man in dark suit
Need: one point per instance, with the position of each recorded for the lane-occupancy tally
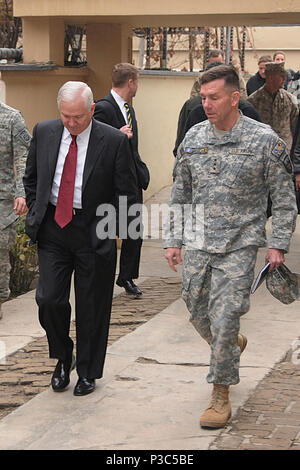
(115, 109)
(75, 165)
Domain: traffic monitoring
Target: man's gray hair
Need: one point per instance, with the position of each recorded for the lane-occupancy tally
(70, 91)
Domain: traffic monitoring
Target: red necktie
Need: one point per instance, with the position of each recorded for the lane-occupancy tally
(64, 206)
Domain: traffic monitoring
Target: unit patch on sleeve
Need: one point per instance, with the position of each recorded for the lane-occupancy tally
(25, 136)
(278, 149)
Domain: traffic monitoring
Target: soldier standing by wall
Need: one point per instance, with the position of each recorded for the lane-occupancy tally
(14, 145)
(115, 110)
(226, 165)
(275, 105)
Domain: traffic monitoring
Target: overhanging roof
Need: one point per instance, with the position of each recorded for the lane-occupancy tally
(164, 12)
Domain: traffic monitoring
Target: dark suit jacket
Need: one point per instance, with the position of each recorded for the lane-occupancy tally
(108, 173)
(254, 83)
(108, 111)
(185, 111)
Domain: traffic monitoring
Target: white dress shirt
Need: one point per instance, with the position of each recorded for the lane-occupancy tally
(82, 145)
(121, 104)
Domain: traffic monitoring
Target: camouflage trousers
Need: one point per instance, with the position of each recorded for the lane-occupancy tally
(216, 289)
(7, 239)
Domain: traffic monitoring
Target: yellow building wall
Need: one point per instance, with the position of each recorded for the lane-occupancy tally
(160, 97)
(269, 39)
(157, 106)
(35, 93)
(261, 40)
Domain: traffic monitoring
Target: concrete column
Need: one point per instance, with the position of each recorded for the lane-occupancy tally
(107, 44)
(43, 40)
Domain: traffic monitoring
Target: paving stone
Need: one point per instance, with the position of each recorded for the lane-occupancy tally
(285, 432)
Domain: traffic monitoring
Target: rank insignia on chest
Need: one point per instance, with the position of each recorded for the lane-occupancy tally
(196, 150)
(278, 149)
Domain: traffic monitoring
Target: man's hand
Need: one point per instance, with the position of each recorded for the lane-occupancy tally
(20, 206)
(173, 256)
(275, 257)
(127, 130)
(297, 181)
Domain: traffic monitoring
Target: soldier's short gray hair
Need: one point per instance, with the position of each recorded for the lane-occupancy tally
(71, 90)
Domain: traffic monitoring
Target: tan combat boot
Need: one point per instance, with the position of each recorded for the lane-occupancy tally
(242, 342)
(219, 410)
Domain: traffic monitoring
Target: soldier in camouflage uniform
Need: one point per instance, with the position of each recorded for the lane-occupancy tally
(275, 105)
(14, 145)
(224, 169)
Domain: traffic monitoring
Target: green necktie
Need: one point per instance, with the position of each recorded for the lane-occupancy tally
(128, 115)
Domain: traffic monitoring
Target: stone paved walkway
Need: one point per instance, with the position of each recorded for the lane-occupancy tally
(269, 420)
(28, 371)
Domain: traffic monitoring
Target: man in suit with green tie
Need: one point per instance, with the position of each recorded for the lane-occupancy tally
(115, 109)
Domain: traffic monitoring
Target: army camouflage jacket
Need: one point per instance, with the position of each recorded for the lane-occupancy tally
(219, 197)
(14, 145)
(281, 112)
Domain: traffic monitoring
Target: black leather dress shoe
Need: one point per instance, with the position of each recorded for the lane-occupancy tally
(61, 375)
(84, 386)
(129, 287)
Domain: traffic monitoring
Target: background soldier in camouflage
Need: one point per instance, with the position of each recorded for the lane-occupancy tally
(14, 144)
(227, 165)
(275, 105)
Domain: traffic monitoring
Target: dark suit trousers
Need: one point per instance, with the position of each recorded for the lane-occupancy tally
(131, 251)
(130, 259)
(63, 252)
